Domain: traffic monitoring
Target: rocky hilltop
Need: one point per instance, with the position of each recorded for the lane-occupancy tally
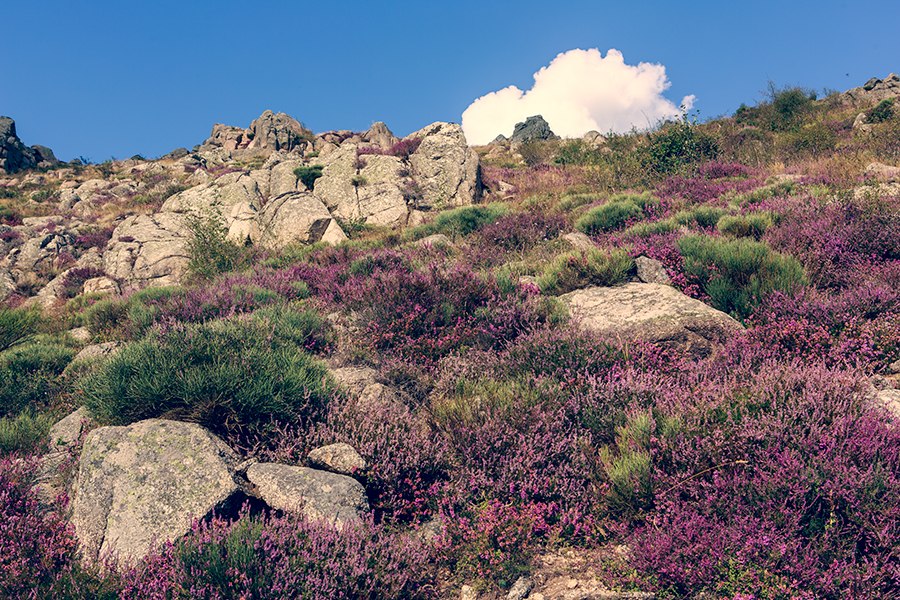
(272, 184)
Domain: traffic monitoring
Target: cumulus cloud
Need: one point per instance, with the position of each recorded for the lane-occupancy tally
(579, 91)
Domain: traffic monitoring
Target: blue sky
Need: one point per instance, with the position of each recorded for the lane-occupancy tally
(107, 80)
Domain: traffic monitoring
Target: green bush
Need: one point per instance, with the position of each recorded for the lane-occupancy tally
(121, 319)
(738, 274)
(210, 250)
(16, 325)
(749, 225)
(700, 216)
(882, 112)
(647, 229)
(460, 222)
(572, 201)
(29, 376)
(308, 175)
(812, 140)
(576, 270)
(25, 433)
(608, 217)
(677, 144)
(231, 376)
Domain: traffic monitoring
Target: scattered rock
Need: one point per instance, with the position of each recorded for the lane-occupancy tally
(520, 589)
(149, 250)
(446, 169)
(101, 350)
(653, 312)
(296, 217)
(67, 431)
(651, 271)
(317, 494)
(146, 482)
(341, 458)
(438, 239)
(579, 241)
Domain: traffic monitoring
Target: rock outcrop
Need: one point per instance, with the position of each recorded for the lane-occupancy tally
(14, 155)
(654, 313)
(273, 132)
(534, 128)
(873, 91)
(146, 482)
(445, 168)
(149, 250)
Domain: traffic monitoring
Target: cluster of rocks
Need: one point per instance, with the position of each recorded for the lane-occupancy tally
(247, 178)
(873, 91)
(16, 156)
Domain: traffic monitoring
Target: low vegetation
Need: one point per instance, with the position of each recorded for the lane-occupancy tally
(764, 471)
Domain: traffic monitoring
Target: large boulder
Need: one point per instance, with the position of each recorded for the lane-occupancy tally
(149, 250)
(319, 495)
(446, 169)
(367, 188)
(654, 313)
(296, 217)
(273, 132)
(875, 90)
(14, 155)
(534, 128)
(146, 482)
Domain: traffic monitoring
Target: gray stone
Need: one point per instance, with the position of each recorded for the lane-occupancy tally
(273, 132)
(67, 431)
(101, 350)
(655, 313)
(381, 136)
(294, 217)
(14, 155)
(341, 458)
(154, 253)
(146, 482)
(100, 285)
(283, 180)
(579, 241)
(438, 239)
(319, 495)
(446, 169)
(520, 589)
(651, 271)
(533, 128)
(890, 400)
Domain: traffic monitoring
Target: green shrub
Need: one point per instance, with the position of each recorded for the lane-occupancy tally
(749, 225)
(25, 433)
(738, 274)
(573, 201)
(460, 222)
(16, 325)
(647, 229)
(29, 375)
(787, 107)
(677, 144)
(811, 140)
(210, 250)
(608, 217)
(700, 216)
(230, 376)
(308, 175)
(576, 270)
(883, 111)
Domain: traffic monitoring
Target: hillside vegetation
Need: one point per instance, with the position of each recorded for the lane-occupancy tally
(767, 470)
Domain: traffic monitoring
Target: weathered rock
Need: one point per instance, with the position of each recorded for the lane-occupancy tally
(342, 459)
(68, 429)
(380, 135)
(317, 494)
(100, 285)
(230, 138)
(149, 249)
(14, 155)
(146, 482)
(366, 188)
(579, 241)
(520, 589)
(282, 178)
(41, 253)
(874, 90)
(651, 271)
(294, 217)
(534, 128)
(446, 169)
(437, 239)
(890, 400)
(594, 138)
(655, 313)
(44, 156)
(273, 132)
(217, 196)
(95, 351)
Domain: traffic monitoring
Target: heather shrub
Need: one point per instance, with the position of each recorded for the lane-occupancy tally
(230, 376)
(575, 270)
(29, 375)
(814, 139)
(74, 280)
(308, 175)
(738, 274)
(260, 556)
(38, 550)
(94, 237)
(514, 234)
(881, 112)
(608, 217)
(405, 147)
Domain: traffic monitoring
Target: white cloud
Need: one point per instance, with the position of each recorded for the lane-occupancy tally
(579, 91)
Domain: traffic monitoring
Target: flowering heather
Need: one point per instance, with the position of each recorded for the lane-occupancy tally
(94, 238)
(282, 557)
